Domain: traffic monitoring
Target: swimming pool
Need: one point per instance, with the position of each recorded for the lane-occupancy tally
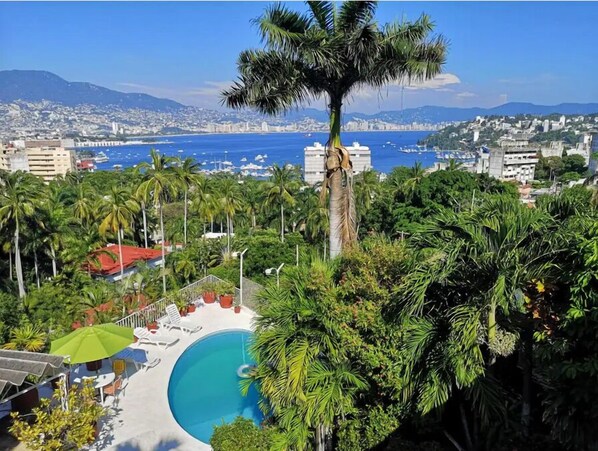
(204, 386)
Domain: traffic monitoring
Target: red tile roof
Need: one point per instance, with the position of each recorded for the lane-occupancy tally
(131, 254)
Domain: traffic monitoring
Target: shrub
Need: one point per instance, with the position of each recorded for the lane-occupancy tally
(242, 434)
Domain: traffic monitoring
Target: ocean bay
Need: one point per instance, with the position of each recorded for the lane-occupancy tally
(281, 148)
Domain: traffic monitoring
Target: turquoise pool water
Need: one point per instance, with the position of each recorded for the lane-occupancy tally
(204, 387)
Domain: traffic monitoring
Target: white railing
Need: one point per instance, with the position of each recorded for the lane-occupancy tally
(157, 310)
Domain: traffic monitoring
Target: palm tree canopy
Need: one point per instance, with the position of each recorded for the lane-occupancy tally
(331, 51)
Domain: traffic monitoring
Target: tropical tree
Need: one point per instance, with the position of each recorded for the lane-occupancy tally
(118, 208)
(465, 303)
(27, 337)
(283, 183)
(305, 377)
(331, 52)
(230, 202)
(19, 192)
(158, 183)
(187, 177)
(415, 177)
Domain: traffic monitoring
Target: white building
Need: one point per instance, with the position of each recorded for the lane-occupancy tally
(114, 128)
(47, 162)
(315, 157)
(513, 163)
(265, 127)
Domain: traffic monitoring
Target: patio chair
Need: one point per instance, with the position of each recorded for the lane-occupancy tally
(117, 387)
(145, 336)
(119, 366)
(175, 321)
(138, 357)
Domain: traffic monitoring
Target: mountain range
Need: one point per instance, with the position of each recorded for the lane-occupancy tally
(35, 86)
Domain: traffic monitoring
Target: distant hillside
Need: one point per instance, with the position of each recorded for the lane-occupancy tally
(35, 86)
(435, 114)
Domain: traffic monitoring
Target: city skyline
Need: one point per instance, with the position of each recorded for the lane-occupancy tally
(499, 52)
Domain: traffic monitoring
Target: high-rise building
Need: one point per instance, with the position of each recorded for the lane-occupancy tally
(265, 127)
(513, 163)
(114, 128)
(594, 153)
(315, 157)
(47, 162)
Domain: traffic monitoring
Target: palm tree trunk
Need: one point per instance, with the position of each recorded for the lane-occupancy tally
(185, 221)
(10, 263)
(163, 250)
(53, 255)
(144, 223)
(228, 233)
(120, 256)
(492, 330)
(320, 438)
(253, 222)
(340, 211)
(18, 267)
(36, 267)
(525, 361)
(281, 222)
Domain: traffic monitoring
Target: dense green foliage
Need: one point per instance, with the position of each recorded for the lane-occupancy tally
(243, 435)
(565, 169)
(477, 332)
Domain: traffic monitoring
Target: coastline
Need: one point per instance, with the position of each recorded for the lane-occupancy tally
(274, 133)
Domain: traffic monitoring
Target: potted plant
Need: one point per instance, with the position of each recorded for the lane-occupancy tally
(209, 292)
(150, 322)
(226, 291)
(237, 306)
(181, 303)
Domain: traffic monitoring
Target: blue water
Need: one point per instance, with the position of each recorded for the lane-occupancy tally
(281, 148)
(204, 386)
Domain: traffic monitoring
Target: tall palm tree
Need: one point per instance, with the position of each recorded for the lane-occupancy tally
(253, 198)
(83, 207)
(201, 199)
(158, 183)
(366, 189)
(279, 191)
(187, 177)
(118, 208)
(19, 192)
(331, 52)
(416, 174)
(463, 304)
(230, 203)
(302, 371)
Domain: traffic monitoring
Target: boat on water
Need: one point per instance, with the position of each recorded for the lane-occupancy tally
(117, 167)
(100, 157)
(243, 159)
(180, 151)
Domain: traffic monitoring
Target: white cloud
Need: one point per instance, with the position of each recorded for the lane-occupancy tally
(466, 94)
(437, 83)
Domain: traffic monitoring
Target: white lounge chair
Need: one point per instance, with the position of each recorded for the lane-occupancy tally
(145, 336)
(175, 321)
(138, 357)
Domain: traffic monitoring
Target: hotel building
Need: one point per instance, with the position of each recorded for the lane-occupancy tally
(315, 157)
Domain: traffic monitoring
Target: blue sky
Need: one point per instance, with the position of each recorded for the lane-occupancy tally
(511, 51)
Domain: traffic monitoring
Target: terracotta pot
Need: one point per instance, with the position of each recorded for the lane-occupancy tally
(152, 326)
(237, 309)
(94, 366)
(209, 297)
(226, 300)
(191, 308)
(183, 311)
(26, 402)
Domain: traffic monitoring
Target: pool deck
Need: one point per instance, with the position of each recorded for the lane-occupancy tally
(142, 420)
